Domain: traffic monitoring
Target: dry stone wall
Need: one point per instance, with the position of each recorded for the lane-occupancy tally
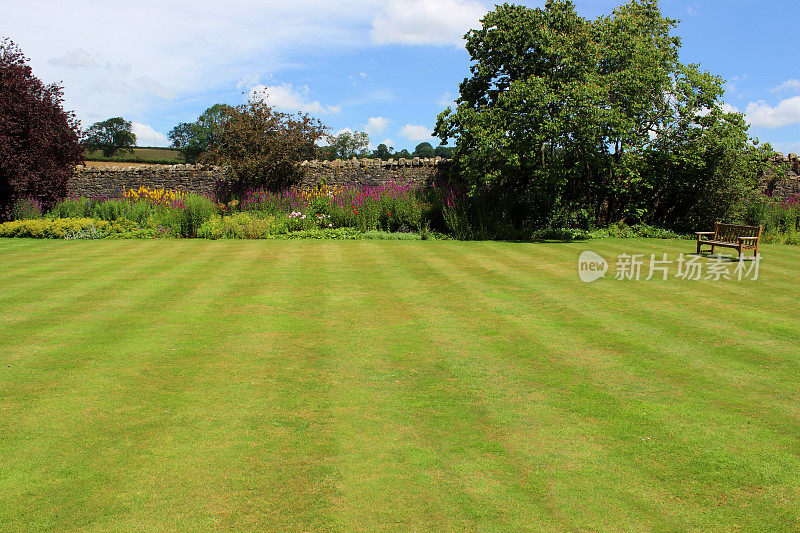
(375, 172)
(788, 186)
(200, 179)
(105, 182)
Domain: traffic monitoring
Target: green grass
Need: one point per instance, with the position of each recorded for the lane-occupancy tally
(140, 155)
(363, 385)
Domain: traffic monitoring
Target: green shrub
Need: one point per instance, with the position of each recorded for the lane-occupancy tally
(110, 210)
(26, 208)
(60, 228)
(239, 226)
(198, 210)
(73, 208)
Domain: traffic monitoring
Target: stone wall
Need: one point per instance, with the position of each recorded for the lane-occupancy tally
(375, 172)
(103, 182)
(784, 187)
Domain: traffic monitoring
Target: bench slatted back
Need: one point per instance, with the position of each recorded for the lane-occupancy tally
(729, 232)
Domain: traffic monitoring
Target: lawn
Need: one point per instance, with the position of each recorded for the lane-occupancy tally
(363, 385)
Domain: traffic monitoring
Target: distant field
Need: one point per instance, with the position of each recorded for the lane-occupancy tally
(111, 164)
(140, 155)
(385, 385)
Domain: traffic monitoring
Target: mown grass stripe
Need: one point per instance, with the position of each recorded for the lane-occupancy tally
(473, 276)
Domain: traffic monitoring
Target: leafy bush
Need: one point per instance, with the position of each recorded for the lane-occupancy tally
(110, 210)
(780, 217)
(239, 226)
(60, 228)
(26, 208)
(73, 208)
(263, 148)
(198, 210)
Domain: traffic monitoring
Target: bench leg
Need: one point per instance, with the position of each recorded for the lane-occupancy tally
(699, 243)
(712, 249)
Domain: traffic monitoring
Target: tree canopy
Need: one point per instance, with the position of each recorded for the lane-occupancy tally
(39, 141)
(111, 136)
(263, 148)
(591, 122)
(196, 138)
(424, 150)
(345, 145)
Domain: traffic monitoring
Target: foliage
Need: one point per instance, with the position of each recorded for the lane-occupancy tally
(60, 228)
(110, 136)
(592, 122)
(383, 152)
(238, 226)
(424, 150)
(139, 154)
(39, 141)
(26, 208)
(73, 208)
(263, 148)
(445, 152)
(345, 145)
(780, 218)
(199, 137)
(391, 207)
(198, 210)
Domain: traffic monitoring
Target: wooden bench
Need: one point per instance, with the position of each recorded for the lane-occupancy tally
(733, 236)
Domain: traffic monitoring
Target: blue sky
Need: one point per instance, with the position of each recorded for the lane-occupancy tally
(384, 66)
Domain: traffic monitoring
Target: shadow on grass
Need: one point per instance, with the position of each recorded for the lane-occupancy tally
(721, 257)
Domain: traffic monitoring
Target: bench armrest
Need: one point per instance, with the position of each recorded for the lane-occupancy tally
(704, 233)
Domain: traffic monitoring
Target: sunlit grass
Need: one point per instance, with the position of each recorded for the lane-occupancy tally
(316, 385)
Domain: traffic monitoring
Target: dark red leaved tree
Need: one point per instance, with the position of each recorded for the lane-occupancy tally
(39, 141)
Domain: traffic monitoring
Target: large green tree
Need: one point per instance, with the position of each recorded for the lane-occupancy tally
(583, 122)
(383, 152)
(349, 144)
(424, 150)
(196, 138)
(111, 136)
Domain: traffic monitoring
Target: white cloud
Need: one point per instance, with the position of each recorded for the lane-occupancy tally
(787, 86)
(376, 125)
(416, 133)
(147, 136)
(81, 59)
(197, 56)
(286, 97)
(435, 22)
(728, 108)
(762, 114)
(446, 100)
(388, 142)
(691, 10)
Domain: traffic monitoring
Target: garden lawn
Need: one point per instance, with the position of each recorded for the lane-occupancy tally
(363, 385)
